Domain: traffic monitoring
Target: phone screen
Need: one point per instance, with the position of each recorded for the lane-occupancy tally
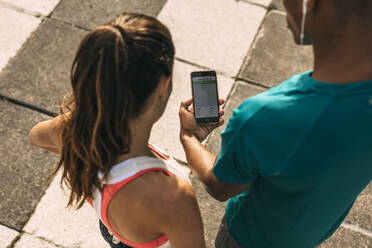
(204, 89)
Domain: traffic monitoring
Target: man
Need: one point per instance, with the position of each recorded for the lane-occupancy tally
(294, 158)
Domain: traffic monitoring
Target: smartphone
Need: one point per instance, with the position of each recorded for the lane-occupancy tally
(205, 96)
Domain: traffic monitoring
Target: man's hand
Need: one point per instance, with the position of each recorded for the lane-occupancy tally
(199, 159)
(189, 126)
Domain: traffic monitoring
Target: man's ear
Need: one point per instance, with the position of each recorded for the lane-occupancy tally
(163, 87)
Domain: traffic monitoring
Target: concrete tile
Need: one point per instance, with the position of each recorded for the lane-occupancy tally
(43, 7)
(15, 28)
(217, 37)
(260, 2)
(64, 227)
(273, 56)
(27, 241)
(7, 235)
(211, 210)
(24, 170)
(240, 91)
(96, 12)
(361, 213)
(40, 73)
(165, 132)
(346, 238)
(277, 4)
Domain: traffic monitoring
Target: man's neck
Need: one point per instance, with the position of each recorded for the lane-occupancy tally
(343, 57)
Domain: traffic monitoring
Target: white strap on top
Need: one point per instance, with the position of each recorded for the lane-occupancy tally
(165, 245)
(131, 167)
(135, 165)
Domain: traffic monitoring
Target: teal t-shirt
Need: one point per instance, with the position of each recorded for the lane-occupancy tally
(306, 148)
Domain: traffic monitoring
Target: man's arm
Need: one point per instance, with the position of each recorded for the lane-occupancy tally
(201, 160)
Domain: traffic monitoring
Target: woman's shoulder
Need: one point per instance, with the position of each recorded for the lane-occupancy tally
(156, 204)
(153, 199)
(155, 188)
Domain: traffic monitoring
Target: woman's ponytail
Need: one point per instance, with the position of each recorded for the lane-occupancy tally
(116, 68)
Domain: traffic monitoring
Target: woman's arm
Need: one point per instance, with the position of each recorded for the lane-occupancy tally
(47, 134)
(182, 221)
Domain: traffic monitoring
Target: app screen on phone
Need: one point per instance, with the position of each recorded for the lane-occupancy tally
(205, 96)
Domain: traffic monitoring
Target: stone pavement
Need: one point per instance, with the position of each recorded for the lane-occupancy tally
(245, 41)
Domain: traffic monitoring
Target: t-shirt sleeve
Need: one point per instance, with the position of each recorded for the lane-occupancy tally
(236, 162)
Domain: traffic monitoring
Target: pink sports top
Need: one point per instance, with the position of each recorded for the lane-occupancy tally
(128, 170)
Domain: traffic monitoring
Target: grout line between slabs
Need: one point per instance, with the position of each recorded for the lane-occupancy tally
(20, 9)
(245, 60)
(358, 229)
(253, 3)
(14, 242)
(224, 74)
(69, 23)
(50, 179)
(10, 227)
(27, 105)
(55, 7)
(251, 82)
(45, 240)
(39, 15)
(271, 6)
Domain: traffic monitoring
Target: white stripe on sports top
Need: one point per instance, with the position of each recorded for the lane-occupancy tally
(131, 169)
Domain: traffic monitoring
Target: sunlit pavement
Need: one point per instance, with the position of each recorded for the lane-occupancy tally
(246, 42)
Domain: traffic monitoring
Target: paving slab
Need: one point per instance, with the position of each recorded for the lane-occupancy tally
(24, 170)
(27, 241)
(69, 228)
(218, 37)
(277, 4)
(15, 28)
(343, 238)
(7, 236)
(211, 210)
(40, 73)
(165, 132)
(361, 213)
(273, 56)
(264, 3)
(91, 13)
(43, 7)
(240, 91)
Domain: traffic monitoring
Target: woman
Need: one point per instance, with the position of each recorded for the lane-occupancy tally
(121, 81)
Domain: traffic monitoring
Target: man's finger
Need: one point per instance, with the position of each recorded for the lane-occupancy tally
(186, 104)
(221, 112)
(220, 122)
(221, 101)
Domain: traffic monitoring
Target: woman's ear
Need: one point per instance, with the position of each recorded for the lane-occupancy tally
(163, 87)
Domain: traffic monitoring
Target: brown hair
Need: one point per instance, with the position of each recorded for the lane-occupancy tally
(116, 68)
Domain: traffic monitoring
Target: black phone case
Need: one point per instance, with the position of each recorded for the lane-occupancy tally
(213, 119)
